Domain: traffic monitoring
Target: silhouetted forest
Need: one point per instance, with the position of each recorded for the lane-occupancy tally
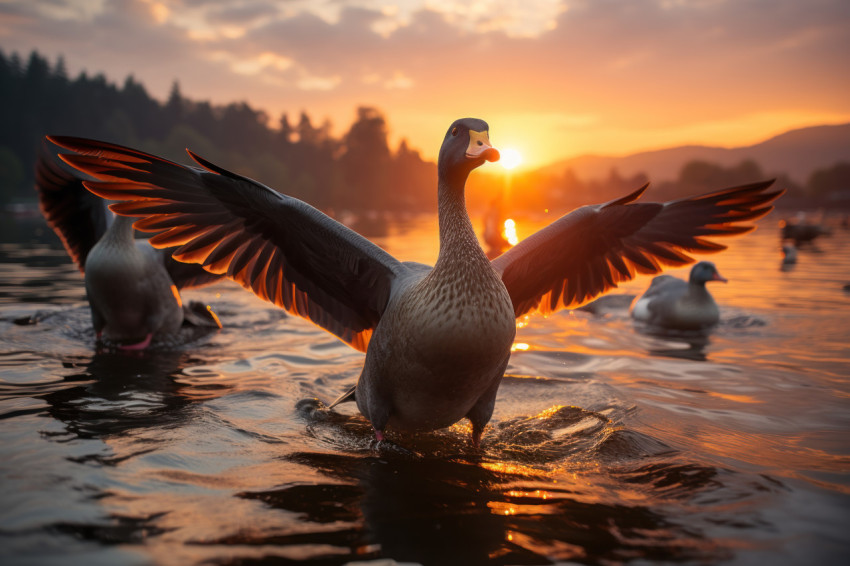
(357, 172)
(297, 157)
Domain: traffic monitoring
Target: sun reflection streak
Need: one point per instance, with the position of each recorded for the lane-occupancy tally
(512, 469)
(510, 232)
(736, 398)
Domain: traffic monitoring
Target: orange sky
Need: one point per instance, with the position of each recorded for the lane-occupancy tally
(553, 78)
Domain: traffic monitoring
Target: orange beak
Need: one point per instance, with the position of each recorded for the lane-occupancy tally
(479, 147)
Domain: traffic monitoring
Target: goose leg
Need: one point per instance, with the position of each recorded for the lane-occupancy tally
(481, 412)
(98, 322)
(379, 423)
(477, 431)
(371, 402)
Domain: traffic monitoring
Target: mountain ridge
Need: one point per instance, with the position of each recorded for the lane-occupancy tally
(796, 153)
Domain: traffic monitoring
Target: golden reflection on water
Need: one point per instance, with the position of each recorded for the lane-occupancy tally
(586, 395)
(416, 239)
(413, 239)
(735, 398)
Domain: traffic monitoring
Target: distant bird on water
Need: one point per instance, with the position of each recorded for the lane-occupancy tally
(802, 232)
(437, 339)
(789, 255)
(680, 305)
(132, 288)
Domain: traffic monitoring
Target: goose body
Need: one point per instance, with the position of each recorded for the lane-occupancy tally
(439, 351)
(437, 339)
(672, 303)
(133, 297)
(800, 232)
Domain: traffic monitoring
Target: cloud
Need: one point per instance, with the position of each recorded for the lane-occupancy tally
(242, 14)
(584, 70)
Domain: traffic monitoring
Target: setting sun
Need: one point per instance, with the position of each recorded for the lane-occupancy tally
(510, 158)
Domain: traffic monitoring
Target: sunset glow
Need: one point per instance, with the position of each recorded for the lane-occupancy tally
(510, 158)
(571, 78)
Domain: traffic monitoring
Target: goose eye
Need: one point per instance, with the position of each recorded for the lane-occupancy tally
(454, 131)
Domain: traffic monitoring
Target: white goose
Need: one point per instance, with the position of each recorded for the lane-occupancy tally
(132, 288)
(672, 303)
(437, 340)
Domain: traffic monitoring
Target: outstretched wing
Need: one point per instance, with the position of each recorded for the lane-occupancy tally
(187, 275)
(596, 247)
(78, 217)
(278, 247)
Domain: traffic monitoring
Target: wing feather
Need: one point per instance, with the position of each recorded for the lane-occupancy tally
(594, 248)
(78, 217)
(280, 248)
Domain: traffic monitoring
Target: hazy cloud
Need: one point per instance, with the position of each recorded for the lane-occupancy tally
(242, 14)
(635, 73)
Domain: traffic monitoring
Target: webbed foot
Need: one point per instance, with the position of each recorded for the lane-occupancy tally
(138, 346)
(385, 446)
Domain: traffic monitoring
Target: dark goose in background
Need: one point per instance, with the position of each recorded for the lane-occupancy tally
(132, 288)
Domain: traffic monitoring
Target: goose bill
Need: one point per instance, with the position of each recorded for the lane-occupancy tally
(479, 147)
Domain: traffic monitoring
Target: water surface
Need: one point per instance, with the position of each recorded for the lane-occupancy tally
(609, 444)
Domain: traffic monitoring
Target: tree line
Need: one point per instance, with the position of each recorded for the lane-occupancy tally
(357, 171)
(299, 157)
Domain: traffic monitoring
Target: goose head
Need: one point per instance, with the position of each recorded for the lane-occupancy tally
(465, 147)
(705, 271)
(789, 253)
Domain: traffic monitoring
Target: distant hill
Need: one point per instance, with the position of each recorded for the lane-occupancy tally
(796, 153)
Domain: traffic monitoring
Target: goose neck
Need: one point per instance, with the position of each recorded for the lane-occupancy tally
(121, 230)
(458, 241)
(697, 290)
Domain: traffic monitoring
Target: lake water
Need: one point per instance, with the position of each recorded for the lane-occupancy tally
(609, 445)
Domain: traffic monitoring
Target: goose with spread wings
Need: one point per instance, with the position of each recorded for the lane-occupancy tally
(437, 339)
(132, 287)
